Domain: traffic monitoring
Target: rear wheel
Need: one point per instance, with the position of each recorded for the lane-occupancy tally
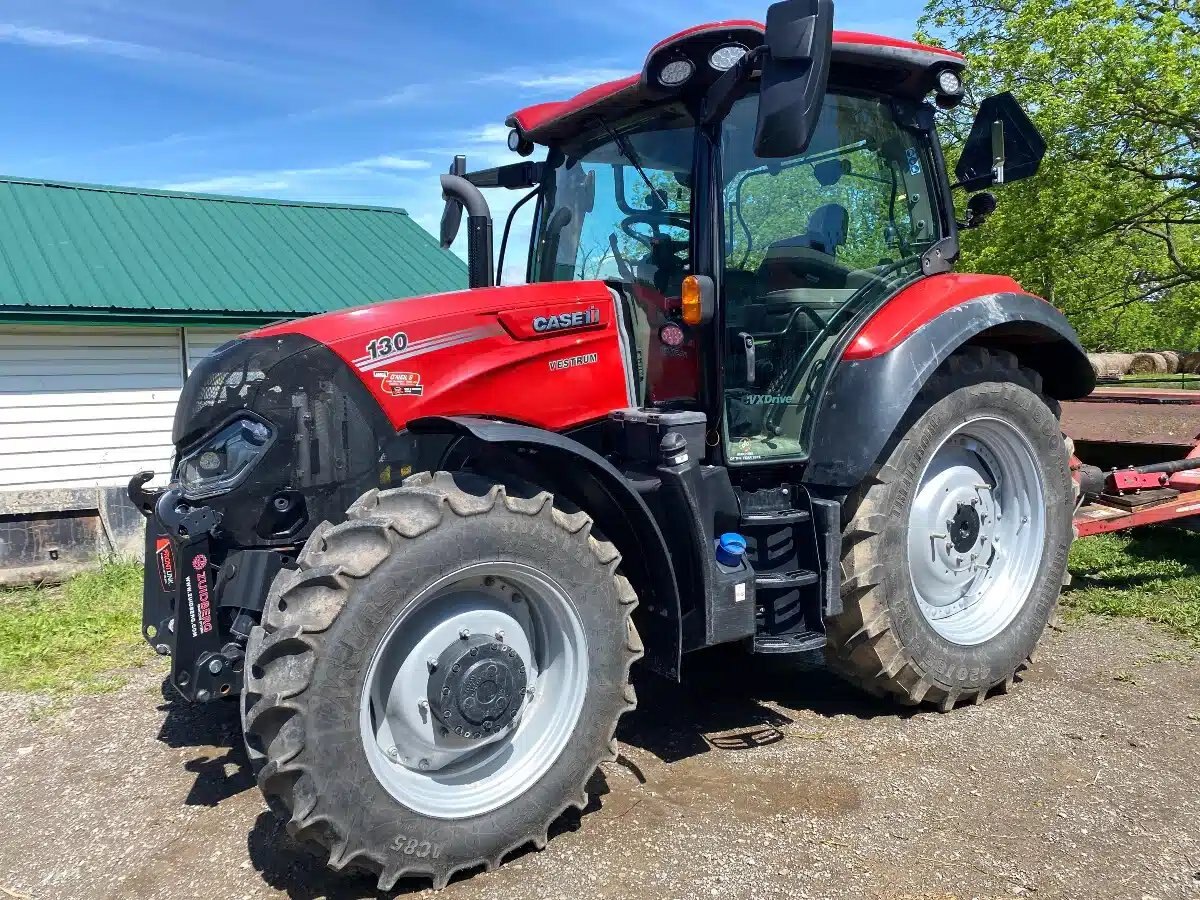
(440, 678)
(954, 553)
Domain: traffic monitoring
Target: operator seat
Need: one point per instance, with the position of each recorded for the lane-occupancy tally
(809, 259)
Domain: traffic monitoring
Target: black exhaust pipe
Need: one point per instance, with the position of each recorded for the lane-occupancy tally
(459, 193)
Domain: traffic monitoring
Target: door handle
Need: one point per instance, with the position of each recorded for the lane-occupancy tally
(748, 346)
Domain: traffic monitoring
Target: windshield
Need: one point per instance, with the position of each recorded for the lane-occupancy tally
(600, 219)
(809, 243)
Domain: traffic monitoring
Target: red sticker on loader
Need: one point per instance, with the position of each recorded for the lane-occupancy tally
(166, 563)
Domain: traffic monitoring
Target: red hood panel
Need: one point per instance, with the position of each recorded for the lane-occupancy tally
(545, 354)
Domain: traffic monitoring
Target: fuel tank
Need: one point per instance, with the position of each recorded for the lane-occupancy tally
(289, 424)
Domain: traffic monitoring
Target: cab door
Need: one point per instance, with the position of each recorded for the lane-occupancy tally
(809, 243)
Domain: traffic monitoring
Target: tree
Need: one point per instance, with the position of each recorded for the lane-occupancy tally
(1110, 229)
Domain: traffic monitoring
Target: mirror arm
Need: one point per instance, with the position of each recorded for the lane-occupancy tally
(719, 100)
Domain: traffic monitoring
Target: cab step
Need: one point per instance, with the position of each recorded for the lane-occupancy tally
(798, 642)
(778, 581)
(775, 519)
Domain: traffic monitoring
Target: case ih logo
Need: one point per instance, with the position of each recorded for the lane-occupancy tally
(166, 563)
(583, 318)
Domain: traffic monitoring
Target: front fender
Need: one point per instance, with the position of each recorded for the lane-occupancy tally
(868, 394)
(571, 470)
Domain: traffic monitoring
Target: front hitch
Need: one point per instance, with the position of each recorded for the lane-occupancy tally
(179, 607)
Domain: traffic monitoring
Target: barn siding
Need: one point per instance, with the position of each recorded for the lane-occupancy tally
(85, 407)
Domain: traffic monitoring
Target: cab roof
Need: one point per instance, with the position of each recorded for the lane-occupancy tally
(870, 61)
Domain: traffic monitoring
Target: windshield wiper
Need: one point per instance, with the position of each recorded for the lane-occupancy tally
(658, 197)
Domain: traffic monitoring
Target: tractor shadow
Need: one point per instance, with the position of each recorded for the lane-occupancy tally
(732, 701)
(214, 731)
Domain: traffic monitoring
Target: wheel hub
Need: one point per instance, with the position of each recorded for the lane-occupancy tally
(477, 687)
(964, 528)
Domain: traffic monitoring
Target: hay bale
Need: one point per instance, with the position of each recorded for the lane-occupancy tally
(1173, 358)
(1110, 365)
(1190, 364)
(1148, 364)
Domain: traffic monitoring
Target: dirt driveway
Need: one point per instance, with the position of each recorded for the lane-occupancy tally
(757, 780)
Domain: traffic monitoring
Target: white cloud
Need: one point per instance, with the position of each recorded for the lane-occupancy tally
(568, 79)
(70, 41)
(311, 182)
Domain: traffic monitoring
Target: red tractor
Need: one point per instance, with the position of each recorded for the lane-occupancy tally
(742, 399)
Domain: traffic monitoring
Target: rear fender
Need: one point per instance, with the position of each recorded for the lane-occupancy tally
(885, 368)
(571, 470)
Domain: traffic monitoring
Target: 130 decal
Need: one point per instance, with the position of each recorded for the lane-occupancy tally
(387, 345)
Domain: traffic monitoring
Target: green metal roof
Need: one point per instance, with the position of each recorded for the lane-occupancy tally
(79, 251)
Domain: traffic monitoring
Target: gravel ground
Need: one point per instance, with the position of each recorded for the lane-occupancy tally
(756, 780)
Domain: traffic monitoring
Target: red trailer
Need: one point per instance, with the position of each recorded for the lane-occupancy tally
(1158, 431)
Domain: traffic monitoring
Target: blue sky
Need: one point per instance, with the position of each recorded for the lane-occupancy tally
(358, 101)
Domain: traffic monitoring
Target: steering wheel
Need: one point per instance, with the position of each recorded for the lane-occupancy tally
(654, 219)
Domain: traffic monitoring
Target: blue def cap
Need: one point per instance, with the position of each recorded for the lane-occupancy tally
(731, 548)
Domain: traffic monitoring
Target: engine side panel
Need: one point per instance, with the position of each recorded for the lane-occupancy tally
(550, 355)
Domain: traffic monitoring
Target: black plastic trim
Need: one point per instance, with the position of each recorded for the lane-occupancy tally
(866, 399)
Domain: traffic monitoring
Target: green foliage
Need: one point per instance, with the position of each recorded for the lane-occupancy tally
(73, 636)
(1110, 229)
(1150, 573)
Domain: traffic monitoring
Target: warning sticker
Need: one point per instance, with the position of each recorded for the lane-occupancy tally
(401, 384)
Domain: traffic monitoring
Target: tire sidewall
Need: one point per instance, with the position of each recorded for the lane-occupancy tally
(949, 666)
(334, 756)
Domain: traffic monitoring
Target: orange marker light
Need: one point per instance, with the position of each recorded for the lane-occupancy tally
(693, 306)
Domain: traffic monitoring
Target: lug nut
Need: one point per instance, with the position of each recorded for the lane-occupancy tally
(465, 633)
(203, 696)
(162, 649)
(216, 665)
(393, 753)
(431, 664)
(423, 764)
(500, 635)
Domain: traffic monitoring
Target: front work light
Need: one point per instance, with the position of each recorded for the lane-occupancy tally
(948, 82)
(221, 462)
(675, 73)
(725, 58)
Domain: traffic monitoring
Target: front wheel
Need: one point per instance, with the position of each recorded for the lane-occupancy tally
(955, 552)
(440, 678)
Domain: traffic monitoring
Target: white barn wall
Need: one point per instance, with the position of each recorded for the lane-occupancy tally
(90, 406)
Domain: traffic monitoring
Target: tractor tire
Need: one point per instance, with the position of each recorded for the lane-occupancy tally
(440, 677)
(955, 551)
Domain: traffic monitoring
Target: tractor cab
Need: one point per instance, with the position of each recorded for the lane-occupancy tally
(787, 179)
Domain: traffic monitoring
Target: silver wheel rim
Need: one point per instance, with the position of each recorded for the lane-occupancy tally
(977, 531)
(431, 769)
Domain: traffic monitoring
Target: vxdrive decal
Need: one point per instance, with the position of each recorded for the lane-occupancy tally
(579, 319)
(369, 363)
(401, 384)
(572, 361)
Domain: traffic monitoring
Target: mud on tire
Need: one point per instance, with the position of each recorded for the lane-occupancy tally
(307, 665)
(883, 642)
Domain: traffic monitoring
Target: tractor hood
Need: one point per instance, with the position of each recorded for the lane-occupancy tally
(304, 410)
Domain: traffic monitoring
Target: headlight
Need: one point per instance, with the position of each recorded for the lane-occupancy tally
(222, 461)
(675, 73)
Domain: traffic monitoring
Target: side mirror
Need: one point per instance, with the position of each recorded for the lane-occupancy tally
(795, 74)
(980, 208)
(1003, 146)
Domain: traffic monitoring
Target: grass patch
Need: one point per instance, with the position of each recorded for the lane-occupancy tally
(71, 637)
(1149, 573)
